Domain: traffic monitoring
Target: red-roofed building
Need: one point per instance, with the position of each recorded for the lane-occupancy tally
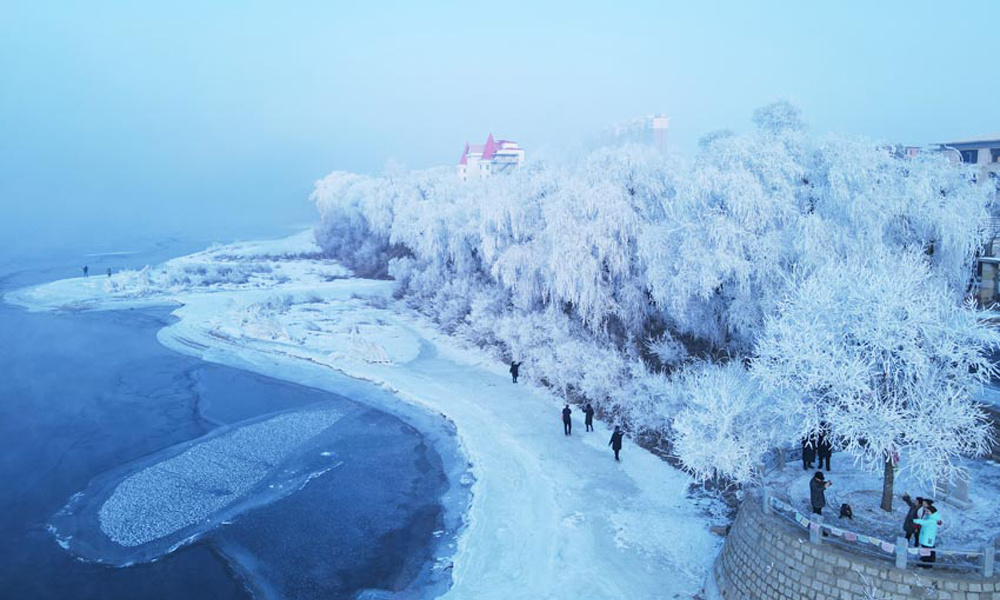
(495, 156)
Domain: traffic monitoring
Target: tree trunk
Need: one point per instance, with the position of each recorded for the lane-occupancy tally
(887, 477)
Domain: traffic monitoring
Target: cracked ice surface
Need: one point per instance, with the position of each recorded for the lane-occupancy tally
(188, 488)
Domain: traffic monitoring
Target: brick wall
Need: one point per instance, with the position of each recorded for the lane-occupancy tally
(766, 558)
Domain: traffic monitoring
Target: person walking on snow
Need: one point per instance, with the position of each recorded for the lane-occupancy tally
(910, 528)
(928, 531)
(589, 418)
(567, 423)
(817, 492)
(616, 441)
(86, 270)
(514, 366)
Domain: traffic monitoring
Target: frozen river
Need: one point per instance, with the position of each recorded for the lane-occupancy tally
(331, 496)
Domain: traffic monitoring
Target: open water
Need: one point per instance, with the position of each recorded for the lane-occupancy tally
(367, 506)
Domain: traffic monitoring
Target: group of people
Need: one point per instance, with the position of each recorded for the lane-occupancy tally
(86, 271)
(921, 524)
(588, 418)
(816, 447)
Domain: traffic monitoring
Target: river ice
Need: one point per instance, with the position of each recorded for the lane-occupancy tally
(550, 516)
(188, 488)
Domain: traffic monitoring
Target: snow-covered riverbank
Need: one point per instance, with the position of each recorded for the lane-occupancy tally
(551, 516)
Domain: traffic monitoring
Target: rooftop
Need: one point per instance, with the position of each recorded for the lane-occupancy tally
(979, 139)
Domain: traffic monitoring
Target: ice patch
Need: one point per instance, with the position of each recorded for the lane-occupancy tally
(63, 541)
(183, 490)
(140, 512)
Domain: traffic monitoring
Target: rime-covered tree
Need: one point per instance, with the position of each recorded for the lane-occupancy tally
(727, 424)
(612, 274)
(876, 348)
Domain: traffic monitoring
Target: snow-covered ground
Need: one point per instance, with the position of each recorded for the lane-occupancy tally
(551, 516)
(962, 528)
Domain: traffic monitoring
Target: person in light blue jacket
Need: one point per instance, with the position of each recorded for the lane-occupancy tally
(928, 530)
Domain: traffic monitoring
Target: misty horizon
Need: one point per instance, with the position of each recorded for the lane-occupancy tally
(217, 121)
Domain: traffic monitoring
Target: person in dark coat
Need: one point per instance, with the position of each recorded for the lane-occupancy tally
(109, 271)
(616, 441)
(567, 423)
(86, 270)
(589, 417)
(808, 453)
(514, 366)
(910, 528)
(817, 492)
(824, 450)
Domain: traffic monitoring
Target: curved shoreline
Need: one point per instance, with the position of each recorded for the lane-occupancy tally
(548, 517)
(436, 428)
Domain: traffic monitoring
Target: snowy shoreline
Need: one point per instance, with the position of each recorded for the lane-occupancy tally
(549, 516)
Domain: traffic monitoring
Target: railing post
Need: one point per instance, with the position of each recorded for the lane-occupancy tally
(815, 529)
(989, 552)
(781, 459)
(901, 547)
(767, 500)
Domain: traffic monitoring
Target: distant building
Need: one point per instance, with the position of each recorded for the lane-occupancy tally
(483, 160)
(984, 152)
(901, 151)
(650, 130)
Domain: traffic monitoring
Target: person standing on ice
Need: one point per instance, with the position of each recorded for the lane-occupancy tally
(567, 422)
(589, 418)
(910, 528)
(86, 270)
(616, 441)
(817, 492)
(514, 366)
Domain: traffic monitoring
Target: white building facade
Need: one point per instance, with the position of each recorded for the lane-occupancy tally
(483, 160)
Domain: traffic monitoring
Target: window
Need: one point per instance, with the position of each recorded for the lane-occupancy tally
(970, 156)
(994, 154)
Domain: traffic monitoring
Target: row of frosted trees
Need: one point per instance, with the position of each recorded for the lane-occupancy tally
(729, 303)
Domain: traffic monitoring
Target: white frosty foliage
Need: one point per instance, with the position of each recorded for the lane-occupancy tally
(877, 348)
(668, 349)
(574, 268)
(727, 425)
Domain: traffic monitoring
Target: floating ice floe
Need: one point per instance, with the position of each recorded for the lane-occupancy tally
(141, 512)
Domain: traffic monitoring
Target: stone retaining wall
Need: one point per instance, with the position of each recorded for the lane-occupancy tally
(767, 558)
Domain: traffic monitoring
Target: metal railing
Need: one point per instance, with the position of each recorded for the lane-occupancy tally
(949, 559)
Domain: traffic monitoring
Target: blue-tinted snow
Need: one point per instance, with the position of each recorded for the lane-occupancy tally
(208, 476)
(94, 395)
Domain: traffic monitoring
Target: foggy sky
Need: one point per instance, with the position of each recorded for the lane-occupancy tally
(214, 118)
